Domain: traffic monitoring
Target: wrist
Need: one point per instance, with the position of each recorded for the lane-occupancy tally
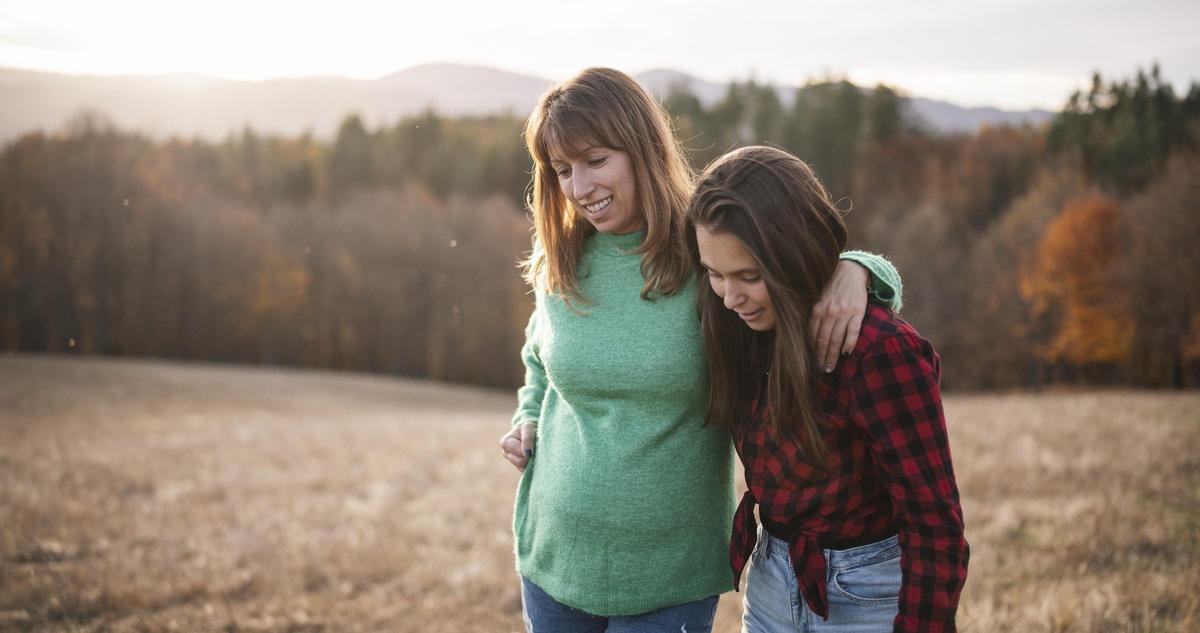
(868, 279)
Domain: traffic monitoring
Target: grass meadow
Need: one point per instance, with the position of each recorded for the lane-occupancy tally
(150, 496)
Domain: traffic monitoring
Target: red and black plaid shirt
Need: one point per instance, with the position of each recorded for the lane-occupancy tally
(889, 471)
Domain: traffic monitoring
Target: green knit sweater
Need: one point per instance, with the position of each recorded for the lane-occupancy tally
(627, 504)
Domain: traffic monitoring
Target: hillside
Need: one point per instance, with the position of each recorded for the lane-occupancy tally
(195, 105)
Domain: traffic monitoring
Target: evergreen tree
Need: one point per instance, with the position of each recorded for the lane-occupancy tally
(350, 161)
(1125, 132)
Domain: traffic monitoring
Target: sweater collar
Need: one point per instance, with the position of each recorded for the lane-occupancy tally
(612, 244)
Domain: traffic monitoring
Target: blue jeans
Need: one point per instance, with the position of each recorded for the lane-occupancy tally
(544, 614)
(862, 585)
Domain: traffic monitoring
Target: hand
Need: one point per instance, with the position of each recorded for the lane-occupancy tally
(837, 317)
(517, 444)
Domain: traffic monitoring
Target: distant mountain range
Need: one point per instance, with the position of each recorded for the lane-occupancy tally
(187, 105)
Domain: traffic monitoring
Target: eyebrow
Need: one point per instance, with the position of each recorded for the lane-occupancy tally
(739, 271)
(580, 153)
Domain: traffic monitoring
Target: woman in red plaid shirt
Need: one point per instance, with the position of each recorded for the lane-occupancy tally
(861, 524)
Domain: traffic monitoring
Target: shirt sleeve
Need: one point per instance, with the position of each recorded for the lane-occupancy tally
(531, 395)
(897, 401)
(885, 279)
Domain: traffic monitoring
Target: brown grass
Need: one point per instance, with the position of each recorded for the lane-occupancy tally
(1082, 510)
(155, 496)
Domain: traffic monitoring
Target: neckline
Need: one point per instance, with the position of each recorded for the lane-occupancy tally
(613, 244)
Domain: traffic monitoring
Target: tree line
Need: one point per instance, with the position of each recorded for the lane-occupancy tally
(363, 253)
(1029, 255)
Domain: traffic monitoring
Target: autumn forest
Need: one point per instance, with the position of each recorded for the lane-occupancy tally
(1030, 256)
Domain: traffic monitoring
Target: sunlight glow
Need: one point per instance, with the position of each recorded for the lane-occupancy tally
(1014, 54)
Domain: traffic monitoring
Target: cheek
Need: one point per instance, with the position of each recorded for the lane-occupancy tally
(764, 299)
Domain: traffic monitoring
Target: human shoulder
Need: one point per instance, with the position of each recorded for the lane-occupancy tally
(885, 333)
(878, 324)
(892, 370)
(891, 358)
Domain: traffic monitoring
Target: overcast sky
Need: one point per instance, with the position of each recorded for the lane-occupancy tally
(1015, 54)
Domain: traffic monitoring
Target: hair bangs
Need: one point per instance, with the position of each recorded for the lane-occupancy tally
(570, 131)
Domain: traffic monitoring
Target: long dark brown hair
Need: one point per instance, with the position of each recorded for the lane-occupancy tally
(773, 203)
(607, 108)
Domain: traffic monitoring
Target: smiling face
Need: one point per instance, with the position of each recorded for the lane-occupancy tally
(600, 186)
(735, 278)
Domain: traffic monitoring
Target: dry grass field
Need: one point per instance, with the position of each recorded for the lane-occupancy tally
(157, 496)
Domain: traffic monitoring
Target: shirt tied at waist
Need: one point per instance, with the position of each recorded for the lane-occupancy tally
(806, 551)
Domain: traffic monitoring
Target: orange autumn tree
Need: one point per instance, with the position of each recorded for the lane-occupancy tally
(1071, 283)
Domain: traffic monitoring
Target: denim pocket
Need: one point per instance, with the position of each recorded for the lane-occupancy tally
(756, 555)
(869, 574)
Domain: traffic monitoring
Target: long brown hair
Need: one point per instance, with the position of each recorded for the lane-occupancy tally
(773, 203)
(607, 108)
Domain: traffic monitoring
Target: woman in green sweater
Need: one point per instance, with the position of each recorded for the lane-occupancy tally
(623, 518)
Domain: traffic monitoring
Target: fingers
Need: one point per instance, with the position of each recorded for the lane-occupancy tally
(528, 432)
(833, 351)
(853, 328)
(517, 444)
(828, 342)
(519, 462)
(510, 446)
(837, 317)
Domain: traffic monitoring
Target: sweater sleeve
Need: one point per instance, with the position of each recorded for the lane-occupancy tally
(531, 395)
(885, 279)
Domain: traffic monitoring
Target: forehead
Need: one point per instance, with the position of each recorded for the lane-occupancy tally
(723, 252)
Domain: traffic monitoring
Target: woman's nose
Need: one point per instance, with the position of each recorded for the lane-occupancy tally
(733, 297)
(583, 184)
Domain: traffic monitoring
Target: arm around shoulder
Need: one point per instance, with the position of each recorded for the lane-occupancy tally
(885, 279)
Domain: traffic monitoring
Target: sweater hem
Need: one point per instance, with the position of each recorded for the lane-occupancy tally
(642, 602)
